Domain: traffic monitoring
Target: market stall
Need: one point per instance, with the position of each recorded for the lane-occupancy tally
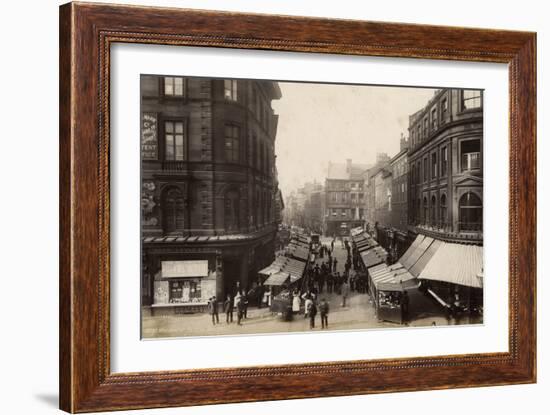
(388, 284)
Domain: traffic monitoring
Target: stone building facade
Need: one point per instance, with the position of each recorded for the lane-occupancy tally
(446, 166)
(209, 183)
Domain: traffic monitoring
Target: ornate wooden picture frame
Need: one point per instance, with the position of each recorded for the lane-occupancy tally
(87, 32)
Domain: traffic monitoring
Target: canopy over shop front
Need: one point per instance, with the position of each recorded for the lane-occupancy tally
(277, 279)
(410, 257)
(392, 277)
(459, 264)
(374, 256)
(299, 252)
(290, 267)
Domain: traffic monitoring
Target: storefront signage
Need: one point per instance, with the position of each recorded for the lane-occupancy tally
(149, 137)
(184, 269)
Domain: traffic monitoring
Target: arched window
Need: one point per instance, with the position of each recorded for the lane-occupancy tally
(425, 201)
(173, 210)
(433, 208)
(471, 212)
(443, 210)
(231, 211)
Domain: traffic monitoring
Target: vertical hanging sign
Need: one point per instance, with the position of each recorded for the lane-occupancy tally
(149, 139)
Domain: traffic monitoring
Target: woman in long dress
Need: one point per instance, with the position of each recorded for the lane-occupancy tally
(296, 302)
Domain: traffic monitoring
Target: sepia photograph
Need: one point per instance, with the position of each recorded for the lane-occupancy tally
(280, 207)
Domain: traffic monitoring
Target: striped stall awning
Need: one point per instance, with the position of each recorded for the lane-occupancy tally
(374, 256)
(279, 278)
(460, 264)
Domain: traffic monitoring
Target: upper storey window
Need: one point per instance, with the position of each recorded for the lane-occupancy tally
(471, 99)
(174, 86)
(230, 89)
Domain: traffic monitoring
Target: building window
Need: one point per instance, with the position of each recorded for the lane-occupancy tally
(173, 209)
(471, 99)
(444, 109)
(232, 133)
(434, 165)
(471, 212)
(426, 210)
(434, 119)
(174, 86)
(443, 210)
(426, 128)
(470, 155)
(419, 134)
(425, 169)
(433, 209)
(444, 161)
(230, 89)
(231, 211)
(185, 291)
(174, 140)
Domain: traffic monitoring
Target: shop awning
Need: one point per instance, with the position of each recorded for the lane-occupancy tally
(411, 249)
(392, 278)
(417, 268)
(270, 269)
(417, 253)
(374, 256)
(294, 268)
(279, 278)
(457, 264)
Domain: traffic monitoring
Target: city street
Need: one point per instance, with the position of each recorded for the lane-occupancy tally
(358, 314)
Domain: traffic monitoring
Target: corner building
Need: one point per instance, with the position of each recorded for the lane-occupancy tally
(446, 167)
(209, 188)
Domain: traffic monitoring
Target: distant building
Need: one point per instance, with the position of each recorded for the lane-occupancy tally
(400, 181)
(446, 167)
(376, 202)
(344, 197)
(208, 179)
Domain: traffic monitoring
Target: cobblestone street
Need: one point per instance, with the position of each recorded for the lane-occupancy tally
(358, 314)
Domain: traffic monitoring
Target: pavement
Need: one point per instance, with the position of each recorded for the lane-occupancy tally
(358, 314)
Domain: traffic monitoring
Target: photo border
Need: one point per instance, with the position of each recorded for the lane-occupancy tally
(86, 34)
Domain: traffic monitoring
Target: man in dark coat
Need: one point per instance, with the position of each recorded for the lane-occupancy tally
(240, 310)
(323, 309)
(228, 309)
(213, 309)
(312, 312)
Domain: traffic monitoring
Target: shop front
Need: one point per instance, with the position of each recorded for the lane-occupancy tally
(183, 287)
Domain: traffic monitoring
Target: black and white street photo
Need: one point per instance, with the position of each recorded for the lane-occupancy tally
(275, 206)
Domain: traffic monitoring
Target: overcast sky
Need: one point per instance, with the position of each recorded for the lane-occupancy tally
(319, 123)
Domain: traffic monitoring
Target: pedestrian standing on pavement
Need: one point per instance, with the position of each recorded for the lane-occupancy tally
(332, 245)
(240, 311)
(334, 264)
(312, 312)
(213, 309)
(324, 309)
(244, 299)
(228, 309)
(330, 282)
(296, 301)
(345, 292)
